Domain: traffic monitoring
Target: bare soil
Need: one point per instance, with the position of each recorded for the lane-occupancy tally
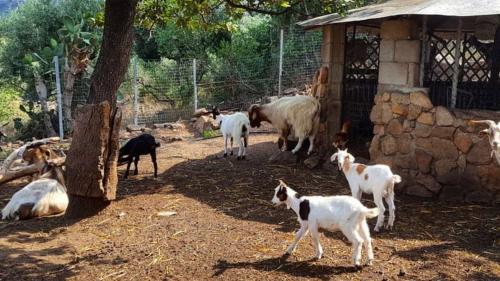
(225, 228)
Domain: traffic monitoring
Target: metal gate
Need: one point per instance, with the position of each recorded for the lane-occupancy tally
(360, 83)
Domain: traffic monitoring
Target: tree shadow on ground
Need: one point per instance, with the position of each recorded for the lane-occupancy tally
(306, 268)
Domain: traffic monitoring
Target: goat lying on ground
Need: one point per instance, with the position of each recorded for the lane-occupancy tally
(297, 113)
(376, 179)
(134, 148)
(493, 133)
(235, 127)
(332, 213)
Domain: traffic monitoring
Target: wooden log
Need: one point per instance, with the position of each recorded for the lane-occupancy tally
(11, 175)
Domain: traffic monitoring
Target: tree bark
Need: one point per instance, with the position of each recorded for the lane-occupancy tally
(41, 90)
(92, 158)
(69, 90)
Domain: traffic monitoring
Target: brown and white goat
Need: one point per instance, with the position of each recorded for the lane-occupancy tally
(341, 138)
(493, 133)
(299, 114)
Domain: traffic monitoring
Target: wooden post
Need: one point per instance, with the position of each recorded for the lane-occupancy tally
(456, 65)
(423, 50)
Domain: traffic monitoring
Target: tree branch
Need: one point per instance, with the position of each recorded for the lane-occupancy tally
(262, 11)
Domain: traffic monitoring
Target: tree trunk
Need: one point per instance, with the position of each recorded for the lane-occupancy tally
(41, 90)
(92, 158)
(69, 90)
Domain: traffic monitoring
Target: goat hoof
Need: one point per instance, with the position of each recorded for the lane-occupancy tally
(369, 263)
(242, 157)
(357, 267)
(225, 155)
(238, 158)
(231, 153)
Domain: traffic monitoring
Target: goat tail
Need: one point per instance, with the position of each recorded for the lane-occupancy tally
(244, 134)
(396, 178)
(370, 213)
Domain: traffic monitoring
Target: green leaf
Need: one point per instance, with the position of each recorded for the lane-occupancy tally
(28, 59)
(53, 43)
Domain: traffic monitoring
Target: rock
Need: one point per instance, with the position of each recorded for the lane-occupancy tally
(408, 125)
(479, 196)
(378, 99)
(470, 176)
(423, 160)
(426, 118)
(419, 190)
(394, 127)
(166, 213)
(490, 175)
(374, 150)
(480, 153)
(389, 161)
(444, 117)
(452, 177)
(389, 145)
(200, 112)
(381, 114)
(283, 157)
(462, 162)
(414, 111)
(400, 98)
(443, 132)
(205, 123)
(313, 161)
(444, 166)
(422, 130)
(134, 128)
(405, 161)
(429, 182)
(404, 143)
(424, 144)
(399, 109)
(386, 113)
(386, 97)
(421, 99)
(378, 129)
(463, 141)
(441, 149)
(451, 193)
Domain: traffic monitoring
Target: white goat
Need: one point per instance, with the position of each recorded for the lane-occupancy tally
(493, 133)
(332, 213)
(40, 198)
(376, 179)
(236, 127)
(299, 114)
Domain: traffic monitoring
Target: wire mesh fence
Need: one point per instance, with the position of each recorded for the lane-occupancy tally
(169, 90)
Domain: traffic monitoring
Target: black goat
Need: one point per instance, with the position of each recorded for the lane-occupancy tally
(141, 145)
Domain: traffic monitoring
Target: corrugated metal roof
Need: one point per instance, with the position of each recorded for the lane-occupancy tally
(461, 8)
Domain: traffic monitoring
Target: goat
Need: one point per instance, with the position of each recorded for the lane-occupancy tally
(332, 213)
(43, 197)
(236, 127)
(134, 148)
(301, 154)
(493, 133)
(341, 138)
(376, 179)
(297, 113)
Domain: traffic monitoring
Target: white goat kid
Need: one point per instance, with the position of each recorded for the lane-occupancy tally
(332, 213)
(236, 127)
(493, 133)
(376, 179)
(40, 198)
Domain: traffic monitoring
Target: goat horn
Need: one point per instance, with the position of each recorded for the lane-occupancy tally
(488, 122)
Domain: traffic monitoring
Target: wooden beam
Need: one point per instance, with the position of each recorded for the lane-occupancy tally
(423, 50)
(456, 65)
(29, 170)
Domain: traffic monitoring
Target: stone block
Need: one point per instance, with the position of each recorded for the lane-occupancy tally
(463, 141)
(389, 145)
(423, 160)
(452, 193)
(407, 51)
(443, 149)
(378, 129)
(421, 99)
(422, 130)
(426, 118)
(387, 49)
(413, 75)
(480, 153)
(443, 132)
(399, 109)
(374, 150)
(408, 126)
(393, 73)
(419, 191)
(429, 182)
(444, 166)
(414, 111)
(479, 196)
(405, 161)
(400, 98)
(404, 144)
(444, 117)
(395, 127)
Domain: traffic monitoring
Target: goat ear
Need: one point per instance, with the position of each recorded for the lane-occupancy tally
(351, 158)
(334, 157)
(282, 183)
(484, 133)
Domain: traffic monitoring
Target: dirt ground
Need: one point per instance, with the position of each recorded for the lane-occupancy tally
(225, 228)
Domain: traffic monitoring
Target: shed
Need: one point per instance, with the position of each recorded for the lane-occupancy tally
(409, 75)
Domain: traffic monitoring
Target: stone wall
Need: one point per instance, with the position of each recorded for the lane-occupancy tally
(435, 150)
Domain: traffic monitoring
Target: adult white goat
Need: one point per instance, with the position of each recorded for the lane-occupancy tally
(376, 179)
(299, 114)
(43, 197)
(235, 126)
(332, 213)
(493, 133)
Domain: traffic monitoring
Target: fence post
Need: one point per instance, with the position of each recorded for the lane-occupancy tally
(195, 87)
(456, 65)
(59, 97)
(136, 93)
(280, 73)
